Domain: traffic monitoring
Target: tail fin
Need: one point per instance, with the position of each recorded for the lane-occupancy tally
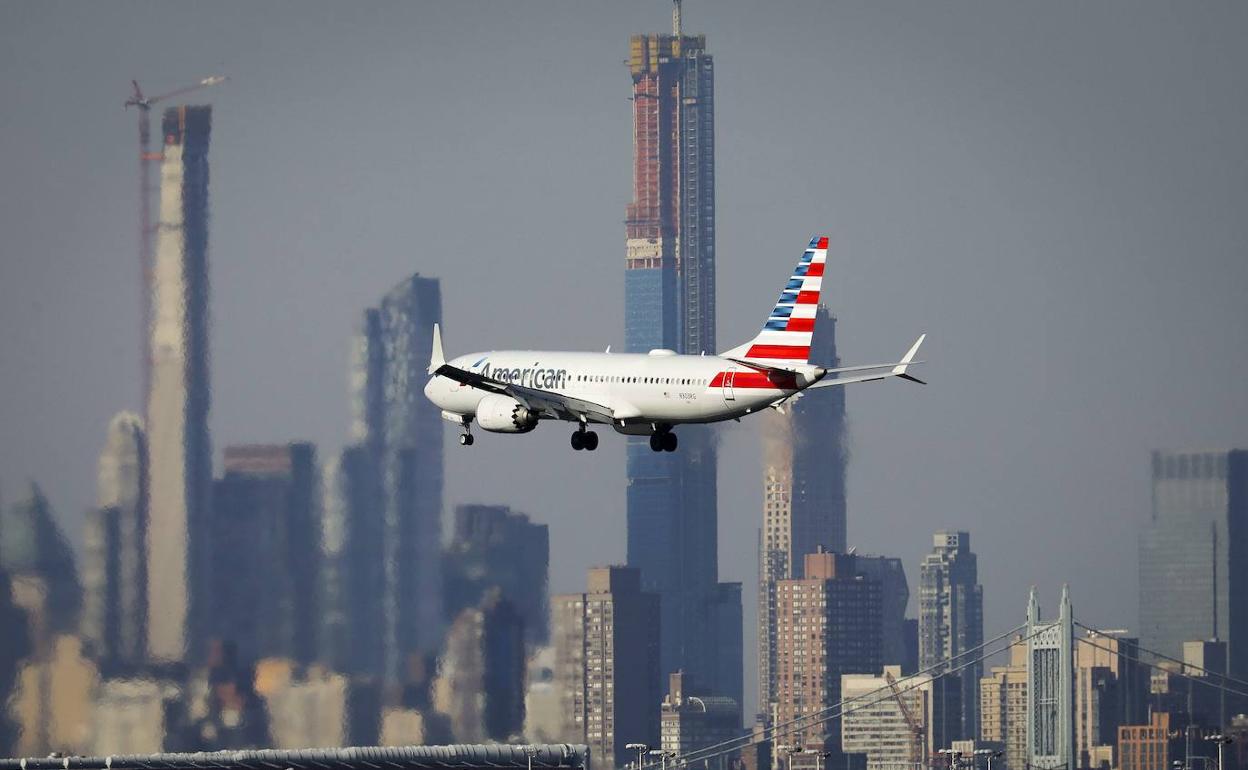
(436, 356)
(785, 336)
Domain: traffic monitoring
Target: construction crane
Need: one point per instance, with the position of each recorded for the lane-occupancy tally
(146, 228)
(916, 747)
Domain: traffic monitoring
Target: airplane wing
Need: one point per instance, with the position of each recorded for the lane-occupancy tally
(547, 403)
(898, 370)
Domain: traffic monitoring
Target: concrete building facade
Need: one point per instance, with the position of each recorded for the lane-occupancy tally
(887, 734)
(828, 625)
(114, 563)
(951, 617)
(804, 459)
(606, 669)
(180, 451)
(690, 721)
(1003, 706)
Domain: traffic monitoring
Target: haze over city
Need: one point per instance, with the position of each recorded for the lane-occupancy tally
(1055, 193)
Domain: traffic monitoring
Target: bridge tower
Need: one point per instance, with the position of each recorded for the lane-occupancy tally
(1050, 687)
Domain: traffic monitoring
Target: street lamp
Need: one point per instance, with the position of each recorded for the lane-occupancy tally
(1223, 741)
(790, 750)
(663, 756)
(952, 757)
(991, 754)
(819, 756)
(641, 750)
(530, 751)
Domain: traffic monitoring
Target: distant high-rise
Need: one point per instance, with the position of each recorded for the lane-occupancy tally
(607, 664)
(669, 302)
(828, 623)
(1003, 707)
(352, 632)
(804, 461)
(1111, 689)
(394, 420)
(495, 548)
(890, 573)
(951, 617)
(1194, 555)
(114, 564)
(691, 720)
(481, 672)
(880, 729)
(266, 551)
(40, 563)
(180, 475)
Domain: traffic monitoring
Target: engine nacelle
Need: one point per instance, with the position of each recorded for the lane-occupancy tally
(503, 414)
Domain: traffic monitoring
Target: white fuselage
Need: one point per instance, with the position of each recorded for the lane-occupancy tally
(656, 388)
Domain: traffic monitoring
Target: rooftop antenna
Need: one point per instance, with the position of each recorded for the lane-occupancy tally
(676, 18)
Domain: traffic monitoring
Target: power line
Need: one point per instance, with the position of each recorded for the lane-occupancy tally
(1199, 679)
(793, 726)
(1183, 663)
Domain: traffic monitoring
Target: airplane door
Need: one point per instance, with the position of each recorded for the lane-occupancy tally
(729, 377)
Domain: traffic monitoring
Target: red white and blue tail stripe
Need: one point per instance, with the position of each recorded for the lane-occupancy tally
(785, 337)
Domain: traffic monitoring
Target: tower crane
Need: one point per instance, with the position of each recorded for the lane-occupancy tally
(917, 745)
(146, 228)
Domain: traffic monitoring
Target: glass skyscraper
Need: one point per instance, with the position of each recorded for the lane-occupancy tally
(1194, 555)
(670, 304)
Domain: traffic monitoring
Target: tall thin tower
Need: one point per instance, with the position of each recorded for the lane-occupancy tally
(146, 231)
(804, 462)
(670, 304)
(180, 475)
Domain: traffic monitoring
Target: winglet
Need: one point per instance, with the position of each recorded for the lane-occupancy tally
(900, 369)
(436, 358)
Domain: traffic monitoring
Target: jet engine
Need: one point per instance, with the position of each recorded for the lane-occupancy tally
(503, 414)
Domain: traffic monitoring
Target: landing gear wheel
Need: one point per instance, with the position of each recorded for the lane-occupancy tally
(465, 439)
(669, 442)
(590, 440)
(656, 442)
(578, 440)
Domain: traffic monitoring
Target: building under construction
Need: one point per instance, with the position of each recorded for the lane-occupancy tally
(670, 304)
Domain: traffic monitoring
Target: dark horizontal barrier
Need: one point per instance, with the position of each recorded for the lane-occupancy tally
(458, 757)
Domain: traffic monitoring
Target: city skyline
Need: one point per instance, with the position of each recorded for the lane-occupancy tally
(879, 444)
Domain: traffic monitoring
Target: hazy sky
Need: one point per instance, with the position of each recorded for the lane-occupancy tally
(1057, 192)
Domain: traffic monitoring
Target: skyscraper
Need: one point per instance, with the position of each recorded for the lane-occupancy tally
(828, 623)
(607, 664)
(114, 564)
(180, 452)
(1194, 554)
(951, 617)
(1003, 707)
(495, 548)
(670, 304)
(266, 551)
(804, 461)
(353, 575)
(403, 431)
(1111, 690)
(40, 564)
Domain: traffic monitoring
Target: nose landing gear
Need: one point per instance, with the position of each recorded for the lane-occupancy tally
(465, 438)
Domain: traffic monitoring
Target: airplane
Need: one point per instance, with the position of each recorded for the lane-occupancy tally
(648, 394)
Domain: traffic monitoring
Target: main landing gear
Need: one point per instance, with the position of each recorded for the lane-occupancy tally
(584, 439)
(465, 438)
(664, 441)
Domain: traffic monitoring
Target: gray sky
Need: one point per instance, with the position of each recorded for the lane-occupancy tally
(1056, 192)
